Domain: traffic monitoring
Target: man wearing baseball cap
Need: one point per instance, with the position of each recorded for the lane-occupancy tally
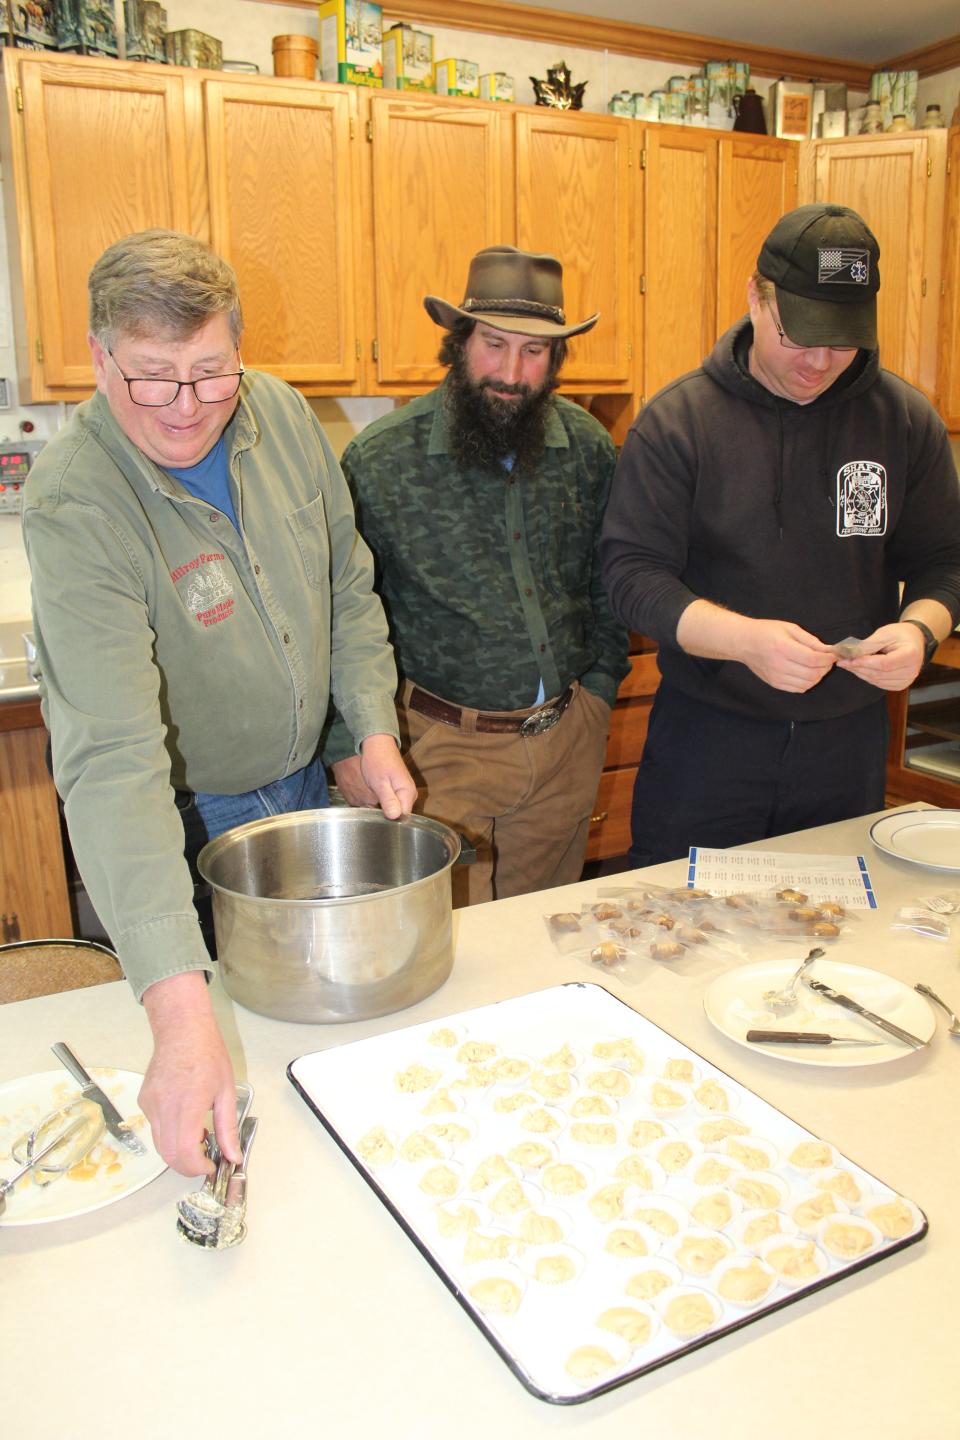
(482, 502)
(766, 509)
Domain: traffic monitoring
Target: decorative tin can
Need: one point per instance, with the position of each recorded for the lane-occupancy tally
(457, 77)
(194, 48)
(28, 27)
(351, 40)
(896, 91)
(145, 28)
(408, 59)
(87, 27)
(497, 86)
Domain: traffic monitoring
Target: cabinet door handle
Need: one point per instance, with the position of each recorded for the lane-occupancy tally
(601, 815)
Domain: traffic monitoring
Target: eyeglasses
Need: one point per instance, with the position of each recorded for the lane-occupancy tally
(789, 344)
(209, 389)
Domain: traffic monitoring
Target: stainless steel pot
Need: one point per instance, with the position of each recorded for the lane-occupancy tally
(327, 915)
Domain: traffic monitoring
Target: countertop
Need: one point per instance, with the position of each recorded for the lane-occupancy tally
(327, 1320)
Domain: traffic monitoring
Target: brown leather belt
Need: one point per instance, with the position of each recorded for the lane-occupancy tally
(526, 722)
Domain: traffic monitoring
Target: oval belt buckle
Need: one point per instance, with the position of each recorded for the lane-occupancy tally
(538, 722)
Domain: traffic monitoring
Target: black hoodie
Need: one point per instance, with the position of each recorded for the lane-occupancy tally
(807, 513)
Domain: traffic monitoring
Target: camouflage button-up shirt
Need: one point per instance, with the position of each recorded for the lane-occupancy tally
(491, 582)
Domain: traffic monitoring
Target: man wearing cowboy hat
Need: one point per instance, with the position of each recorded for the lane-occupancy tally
(766, 509)
(482, 502)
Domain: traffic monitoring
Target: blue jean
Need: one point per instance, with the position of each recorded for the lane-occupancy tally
(305, 789)
(205, 816)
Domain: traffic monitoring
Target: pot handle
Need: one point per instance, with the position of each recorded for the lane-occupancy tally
(468, 851)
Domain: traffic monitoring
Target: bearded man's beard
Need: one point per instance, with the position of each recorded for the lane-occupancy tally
(485, 430)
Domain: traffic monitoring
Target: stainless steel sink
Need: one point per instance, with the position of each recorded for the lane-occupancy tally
(16, 656)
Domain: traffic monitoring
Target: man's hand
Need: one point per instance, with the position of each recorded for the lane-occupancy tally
(891, 658)
(785, 655)
(780, 653)
(386, 776)
(348, 778)
(190, 1074)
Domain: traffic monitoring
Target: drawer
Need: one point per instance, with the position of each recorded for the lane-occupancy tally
(610, 824)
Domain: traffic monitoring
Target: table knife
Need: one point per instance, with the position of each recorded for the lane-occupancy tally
(804, 1037)
(111, 1115)
(848, 1003)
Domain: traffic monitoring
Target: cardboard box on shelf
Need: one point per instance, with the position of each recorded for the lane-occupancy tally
(407, 59)
(457, 77)
(87, 27)
(30, 26)
(145, 29)
(351, 42)
(496, 86)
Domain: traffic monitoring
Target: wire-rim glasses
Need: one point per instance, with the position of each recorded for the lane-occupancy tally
(155, 394)
(789, 344)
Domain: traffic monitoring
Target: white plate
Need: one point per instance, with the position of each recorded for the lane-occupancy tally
(116, 1171)
(734, 1004)
(923, 837)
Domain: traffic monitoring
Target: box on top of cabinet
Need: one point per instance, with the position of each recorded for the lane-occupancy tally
(145, 27)
(497, 86)
(351, 41)
(457, 77)
(30, 26)
(87, 27)
(194, 48)
(407, 59)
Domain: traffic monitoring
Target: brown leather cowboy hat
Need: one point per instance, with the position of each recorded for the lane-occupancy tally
(511, 290)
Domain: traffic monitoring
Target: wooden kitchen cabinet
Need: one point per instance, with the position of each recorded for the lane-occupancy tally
(680, 252)
(757, 183)
(95, 151)
(283, 212)
(897, 183)
(439, 191)
(948, 390)
(264, 169)
(610, 822)
(575, 178)
(34, 899)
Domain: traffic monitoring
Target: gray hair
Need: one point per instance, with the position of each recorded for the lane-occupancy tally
(160, 281)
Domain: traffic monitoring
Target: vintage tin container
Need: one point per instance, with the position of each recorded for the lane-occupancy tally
(145, 26)
(497, 86)
(194, 48)
(407, 59)
(351, 42)
(87, 27)
(457, 77)
(29, 27)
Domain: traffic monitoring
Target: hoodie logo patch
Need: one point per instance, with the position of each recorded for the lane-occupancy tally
(861, 499)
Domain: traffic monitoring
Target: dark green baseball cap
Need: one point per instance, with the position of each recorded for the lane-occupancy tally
(824, 261)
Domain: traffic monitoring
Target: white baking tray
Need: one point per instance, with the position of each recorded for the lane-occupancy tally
(360, 1093)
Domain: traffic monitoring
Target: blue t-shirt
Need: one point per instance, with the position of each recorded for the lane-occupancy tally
(209, 480)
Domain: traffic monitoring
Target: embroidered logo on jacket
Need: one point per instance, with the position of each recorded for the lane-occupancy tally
(843, 267)
(208, 591)
(861, 498)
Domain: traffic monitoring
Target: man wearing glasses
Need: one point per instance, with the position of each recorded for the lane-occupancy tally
(764, 511)
(199, 589)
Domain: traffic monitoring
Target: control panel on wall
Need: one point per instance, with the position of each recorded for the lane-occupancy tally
(15, 462)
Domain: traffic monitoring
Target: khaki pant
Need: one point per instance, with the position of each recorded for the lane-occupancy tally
(524, 803)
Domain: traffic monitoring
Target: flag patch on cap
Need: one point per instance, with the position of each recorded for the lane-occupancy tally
(843, 266)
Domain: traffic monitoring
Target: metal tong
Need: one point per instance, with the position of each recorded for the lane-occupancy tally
(213, 1217)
